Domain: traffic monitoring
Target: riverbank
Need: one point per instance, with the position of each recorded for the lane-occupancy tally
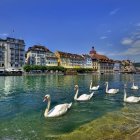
(114, 126)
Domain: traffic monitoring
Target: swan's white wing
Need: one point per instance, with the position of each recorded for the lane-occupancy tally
(134, 87)
(113, 90)
(133, 99)
(58, 110)
(84, 97)
(94, 87)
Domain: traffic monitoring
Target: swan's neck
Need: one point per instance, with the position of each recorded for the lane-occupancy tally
(47, 109)
(133, 84)
(76, 94)
(91, 85)
(124, 94)
(106, 87)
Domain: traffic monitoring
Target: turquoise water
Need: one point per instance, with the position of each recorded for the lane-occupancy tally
(22, 106)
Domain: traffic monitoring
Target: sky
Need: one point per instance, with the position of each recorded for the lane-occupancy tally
(75, 26)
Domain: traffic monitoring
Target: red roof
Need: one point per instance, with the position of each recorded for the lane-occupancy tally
(99, 57)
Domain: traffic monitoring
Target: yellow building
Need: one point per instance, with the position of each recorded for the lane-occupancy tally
(68, 60)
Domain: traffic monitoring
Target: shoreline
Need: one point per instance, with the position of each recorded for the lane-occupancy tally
(111, 126)
(54, 73)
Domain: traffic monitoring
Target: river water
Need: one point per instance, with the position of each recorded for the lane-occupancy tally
(22, 106)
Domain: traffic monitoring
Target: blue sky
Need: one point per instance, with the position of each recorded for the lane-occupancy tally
(111, 26)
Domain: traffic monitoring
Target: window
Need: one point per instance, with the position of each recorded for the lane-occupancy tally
(16, 65)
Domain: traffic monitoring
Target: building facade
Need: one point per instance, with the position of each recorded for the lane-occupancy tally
(69, 60)
(12, 54)
(101, 63)
(87, 61)
(40, 55)
(2, 56)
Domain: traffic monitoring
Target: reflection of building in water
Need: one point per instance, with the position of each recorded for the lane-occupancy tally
(127, 77)
(96, 77)
(9, 84)
(101, 63)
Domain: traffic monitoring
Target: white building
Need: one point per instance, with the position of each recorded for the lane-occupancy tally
(12, 54)
(87, 61)
(40, 55)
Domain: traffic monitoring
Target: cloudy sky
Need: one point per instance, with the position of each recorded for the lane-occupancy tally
(111, 26)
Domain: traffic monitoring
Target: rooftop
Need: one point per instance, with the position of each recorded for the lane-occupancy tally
(70, 55)
(38, 48)
(95, 56)
(13, 40)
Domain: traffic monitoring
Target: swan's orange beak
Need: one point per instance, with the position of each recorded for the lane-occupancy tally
(45, 98)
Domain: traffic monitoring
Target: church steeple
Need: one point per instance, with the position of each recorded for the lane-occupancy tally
(92, 51)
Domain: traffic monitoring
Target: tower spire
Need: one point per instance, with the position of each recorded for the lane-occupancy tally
(92, 50)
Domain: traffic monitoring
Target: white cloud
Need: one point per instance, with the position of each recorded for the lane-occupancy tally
(4, 34)
(136, 35)
(103, 37)
(134, 50)
(127, 41)
(136, 44)
(138, 24)
(113, 12)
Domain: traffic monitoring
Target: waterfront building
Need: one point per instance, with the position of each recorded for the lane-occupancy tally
(87, 61)
(117, 66)
(2, 56)
(40, 55)
(101, 63)
(69, 60)
(12, 54)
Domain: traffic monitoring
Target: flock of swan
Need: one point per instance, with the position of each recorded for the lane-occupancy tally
(61, 109)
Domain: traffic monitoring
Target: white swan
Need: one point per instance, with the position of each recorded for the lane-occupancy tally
(83, 97)
(58, 110)
(111, 91)
(133, 86)
(130, 99)
(93, 87)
